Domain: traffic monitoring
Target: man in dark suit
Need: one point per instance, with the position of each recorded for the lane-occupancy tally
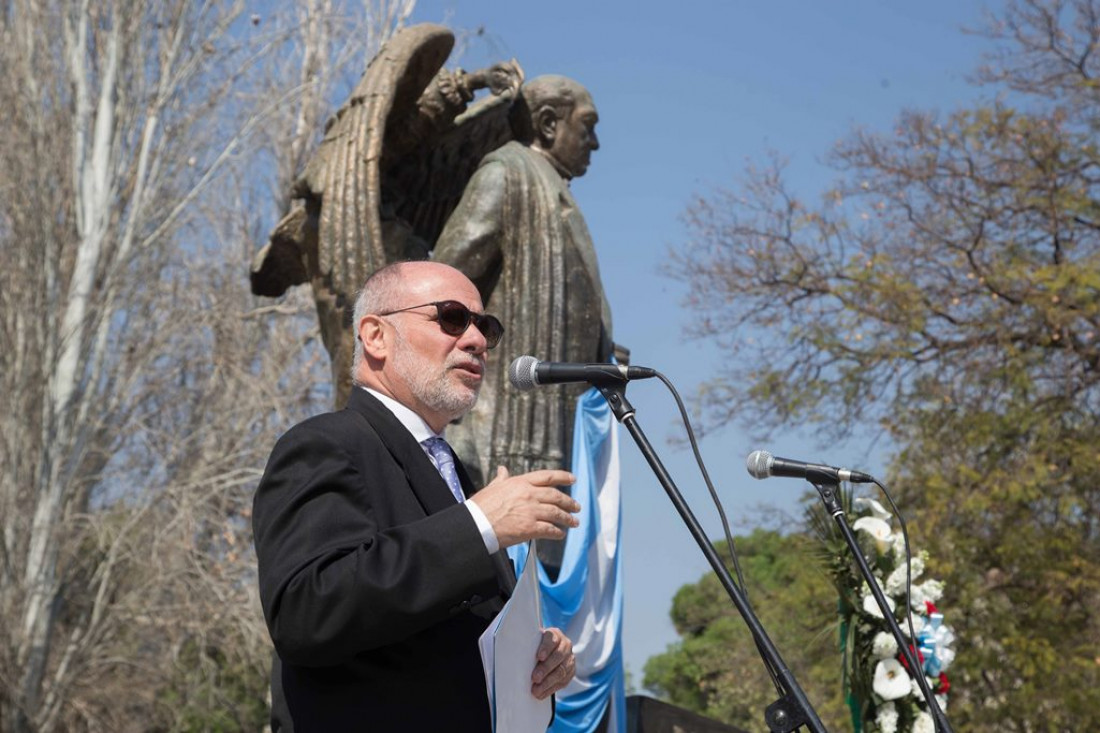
(379, 563)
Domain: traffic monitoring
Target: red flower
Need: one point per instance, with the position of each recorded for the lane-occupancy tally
(904, 663)
(944, 685)
(931, 607)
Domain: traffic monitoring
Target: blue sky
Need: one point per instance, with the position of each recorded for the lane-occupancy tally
(688, 93)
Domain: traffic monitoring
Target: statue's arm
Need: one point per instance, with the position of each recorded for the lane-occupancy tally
(503, 78)
(473, 237)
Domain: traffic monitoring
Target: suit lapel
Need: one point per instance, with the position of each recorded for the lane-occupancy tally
(424, 480)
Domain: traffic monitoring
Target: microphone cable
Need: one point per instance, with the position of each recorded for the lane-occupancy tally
(722, 516)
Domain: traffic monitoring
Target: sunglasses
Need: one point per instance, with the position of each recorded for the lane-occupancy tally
(454, 318)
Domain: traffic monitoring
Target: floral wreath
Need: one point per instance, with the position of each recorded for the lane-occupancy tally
(880, 694)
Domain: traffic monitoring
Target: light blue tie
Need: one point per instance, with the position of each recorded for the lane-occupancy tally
(444, 462)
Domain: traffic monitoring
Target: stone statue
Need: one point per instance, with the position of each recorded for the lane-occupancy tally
(392, 165)
(408, 163)
(520, 236)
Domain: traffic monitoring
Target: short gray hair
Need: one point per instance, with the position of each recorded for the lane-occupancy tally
(381, 292)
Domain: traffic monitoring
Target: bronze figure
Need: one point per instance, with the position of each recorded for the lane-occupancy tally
(406, 171)
(391, 166)
(520, 236)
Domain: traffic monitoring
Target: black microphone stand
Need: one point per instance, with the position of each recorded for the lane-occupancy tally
(793, 709)
(830, 497)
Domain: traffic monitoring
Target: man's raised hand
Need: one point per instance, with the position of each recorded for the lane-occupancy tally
(528, 506)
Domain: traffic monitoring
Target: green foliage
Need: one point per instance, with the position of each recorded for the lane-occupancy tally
(1016, 537)
(948, 287)
(211, 693)
(716, 670)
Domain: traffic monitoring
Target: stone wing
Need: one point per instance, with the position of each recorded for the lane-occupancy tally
(391, 167)
(346, 172)
(427, 184)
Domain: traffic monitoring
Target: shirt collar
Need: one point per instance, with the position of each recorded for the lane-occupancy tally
(415, 424)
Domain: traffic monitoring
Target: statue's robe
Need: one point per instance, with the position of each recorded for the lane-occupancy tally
(519, 236)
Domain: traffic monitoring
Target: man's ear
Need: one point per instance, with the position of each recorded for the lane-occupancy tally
(546, 125)
(372, 336)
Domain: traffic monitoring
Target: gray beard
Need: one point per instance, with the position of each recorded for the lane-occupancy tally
(430, 384)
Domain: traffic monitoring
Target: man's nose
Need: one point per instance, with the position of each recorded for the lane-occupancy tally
(594, 142)
(473, 340)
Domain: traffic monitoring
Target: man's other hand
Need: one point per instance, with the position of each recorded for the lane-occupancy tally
(555, 664)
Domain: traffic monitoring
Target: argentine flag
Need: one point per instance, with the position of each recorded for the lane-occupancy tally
(586, 600)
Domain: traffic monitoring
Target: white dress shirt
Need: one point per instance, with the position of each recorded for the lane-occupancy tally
(421, 431)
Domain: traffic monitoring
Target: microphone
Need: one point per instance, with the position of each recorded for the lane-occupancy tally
(762, 464)
(527, 372)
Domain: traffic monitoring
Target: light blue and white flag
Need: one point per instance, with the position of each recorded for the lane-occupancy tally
(586, 600)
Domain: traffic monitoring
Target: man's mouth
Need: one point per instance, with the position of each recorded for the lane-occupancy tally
(470, 367)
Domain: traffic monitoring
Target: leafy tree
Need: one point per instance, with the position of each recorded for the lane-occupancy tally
(948, 287)
(715, 669)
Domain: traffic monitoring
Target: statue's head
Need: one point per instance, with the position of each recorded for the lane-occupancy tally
(557, 116)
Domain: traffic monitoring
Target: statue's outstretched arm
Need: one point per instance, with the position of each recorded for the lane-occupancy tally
(505, 77)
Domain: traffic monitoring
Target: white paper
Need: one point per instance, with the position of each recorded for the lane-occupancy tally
(508, 649)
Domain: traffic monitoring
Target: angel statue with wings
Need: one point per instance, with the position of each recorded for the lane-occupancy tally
(406, 171)
(411, 167)
(391, 166)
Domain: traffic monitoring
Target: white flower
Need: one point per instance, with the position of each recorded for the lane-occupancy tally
(871, 606)
(917, 597)
(899, 546)
(895, 582)
(886, 716)
(923, 723)
(877, 510)
(884, 646)
(877, 528)
(932, 590)
(946, 655)
(891, 682)
(941, 700)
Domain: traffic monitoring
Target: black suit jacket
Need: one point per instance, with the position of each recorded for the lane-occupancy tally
(374, 582)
